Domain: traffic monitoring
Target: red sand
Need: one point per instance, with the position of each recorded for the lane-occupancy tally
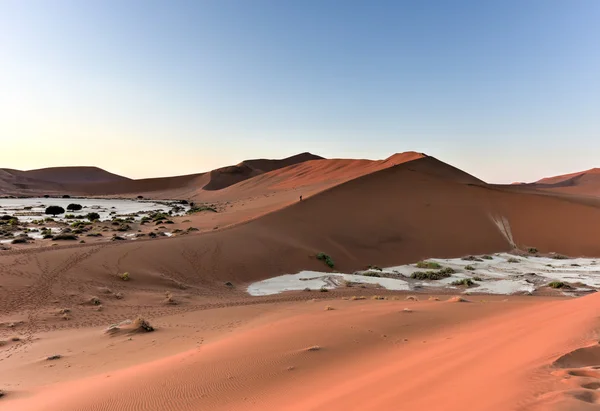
(217, 349)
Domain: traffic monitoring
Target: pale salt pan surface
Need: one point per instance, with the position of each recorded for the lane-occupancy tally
(498, 276)
(102, 206)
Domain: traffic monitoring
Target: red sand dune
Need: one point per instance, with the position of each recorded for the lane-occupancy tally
(581, 183)
(439, 356)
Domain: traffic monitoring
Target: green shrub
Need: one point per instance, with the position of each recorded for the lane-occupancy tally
(513, 260)
(54, 210)
(65, 236)
(477, 279)
(371, 274)
(487, 257)
(20, 240)
(470, 268)
(200, 209)
(559, 257)
(428, 264)
(556, 284)
(467, 282)
(471, 258)
(74, 207)
(328, 260)
(124, 276)
(532, 250)
(432, 275)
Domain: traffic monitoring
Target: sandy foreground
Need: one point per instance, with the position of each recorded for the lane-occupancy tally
(491, 353)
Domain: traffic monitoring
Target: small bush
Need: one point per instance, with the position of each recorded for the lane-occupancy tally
(467, 282)
(92, 216)
(477, 279)
(65, 236)
(432, 275)
(374, 267)
(323, 289)
(470, 268)
(559, 257)
(513, 260)
(371, 274)
(532, 250)
(428, 264)
(328, 260)
(200, 209)
(124, 276)
(487, 257)
(74, 207)
(556, 284)
(471, 258)
(54, 210)
(20, 240)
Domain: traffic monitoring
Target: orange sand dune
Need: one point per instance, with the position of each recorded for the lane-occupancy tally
(362, 355)
(397, 215)
(437, 356)
(580, 183)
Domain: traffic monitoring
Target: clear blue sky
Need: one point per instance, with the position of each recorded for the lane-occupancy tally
(506, 90)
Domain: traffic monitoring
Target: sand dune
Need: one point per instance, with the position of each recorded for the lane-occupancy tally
(580, 183)
(406, 208)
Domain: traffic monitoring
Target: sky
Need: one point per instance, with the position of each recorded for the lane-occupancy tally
(505, 90)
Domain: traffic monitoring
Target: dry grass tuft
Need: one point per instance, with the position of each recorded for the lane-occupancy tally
(412, 298)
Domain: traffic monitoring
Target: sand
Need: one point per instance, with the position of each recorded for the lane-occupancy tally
(215, 347)
(301, 356)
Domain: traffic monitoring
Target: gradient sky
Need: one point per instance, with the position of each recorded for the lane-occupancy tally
(505, 90)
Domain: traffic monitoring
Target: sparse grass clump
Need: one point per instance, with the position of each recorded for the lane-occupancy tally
(513, 260)
(487, 257)
(198, 209)
(470, 268)
(323, 290)
(371, 274)
(467, 282)
(559, 257)
(556, 284)
(65, 236)
(432, 275)
(374, 267)
(477, 279)
(471, 258)
(326, 258)
(532, 250)
(124, 276)
(428, 264)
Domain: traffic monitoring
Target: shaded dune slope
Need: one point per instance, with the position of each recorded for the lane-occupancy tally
(583, 183)
(74, 175)
(227, 176)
